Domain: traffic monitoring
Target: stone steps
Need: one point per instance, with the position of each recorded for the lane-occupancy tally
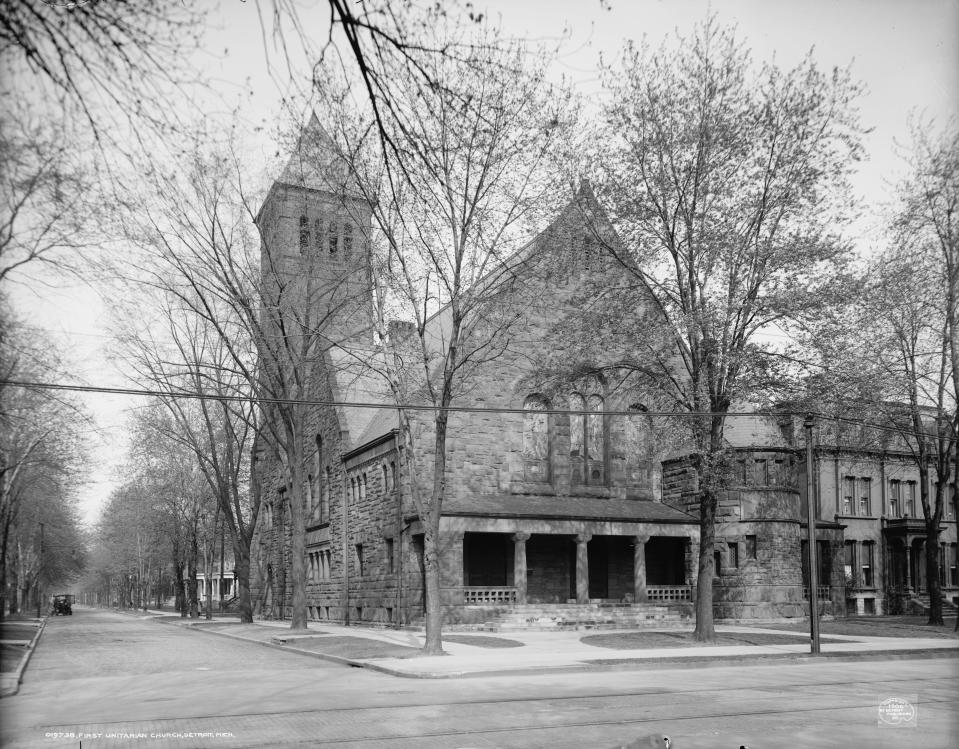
(546, 617)
(921, 605)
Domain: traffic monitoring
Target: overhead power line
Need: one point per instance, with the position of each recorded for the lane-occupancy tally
(433, 408)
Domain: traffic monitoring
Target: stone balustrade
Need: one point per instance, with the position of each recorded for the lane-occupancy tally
(487, 596)
(668, 593)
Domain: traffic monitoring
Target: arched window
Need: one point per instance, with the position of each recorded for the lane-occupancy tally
(352, 489)
(325, 496)
(347, 239)
(318, 234)
(635, 443)
(536, 439)
(393, 475)
(588, 439)
(318, 474)
(304, 234)
(385, 479)
(332, 238)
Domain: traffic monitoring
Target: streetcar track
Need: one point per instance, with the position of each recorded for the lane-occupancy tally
(900, 686)
(514, 729)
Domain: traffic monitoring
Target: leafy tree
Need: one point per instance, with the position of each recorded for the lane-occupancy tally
(727, 184)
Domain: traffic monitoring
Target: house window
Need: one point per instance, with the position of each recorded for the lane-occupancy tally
(359, 560)
(304, 234)
(848, 495)
(332, 237)
(865, 497)
(895, 499)
(825, 563)
(867, 562)
(750, 547)
(393, 475)
(953, 568)
(587, 439)
(536, 438)
(910, 499)
(389, 555)
(849, 565)
(717, 562)
(362, 483)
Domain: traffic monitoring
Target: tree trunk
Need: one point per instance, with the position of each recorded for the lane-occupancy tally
(208, 583)
(705, 631)
(431, 531)
(932, 575)
(241, 563)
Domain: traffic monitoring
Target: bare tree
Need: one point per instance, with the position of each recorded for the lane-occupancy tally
(117, 62)
(41, 463)
(181, 355)
(467, 170)
(726, 183)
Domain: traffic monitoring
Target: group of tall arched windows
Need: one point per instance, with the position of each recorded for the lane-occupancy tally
(588, 438)
(335, 236)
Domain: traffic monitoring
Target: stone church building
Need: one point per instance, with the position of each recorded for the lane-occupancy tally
(566, 503)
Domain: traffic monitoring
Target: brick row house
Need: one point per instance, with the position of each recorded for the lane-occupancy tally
(561, 497)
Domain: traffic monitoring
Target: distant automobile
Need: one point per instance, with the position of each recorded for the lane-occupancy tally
(63, 604)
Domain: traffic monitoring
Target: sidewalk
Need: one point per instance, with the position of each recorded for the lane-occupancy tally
(542, 651)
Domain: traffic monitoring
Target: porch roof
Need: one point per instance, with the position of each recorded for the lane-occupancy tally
(566, 508)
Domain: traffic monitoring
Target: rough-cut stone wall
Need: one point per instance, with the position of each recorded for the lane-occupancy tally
(758, 533)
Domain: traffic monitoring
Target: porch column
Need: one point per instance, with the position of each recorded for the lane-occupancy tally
(908, 568)
(582, 568)
(451, 568)
(692, 566)
(519, 565)
(639, 569)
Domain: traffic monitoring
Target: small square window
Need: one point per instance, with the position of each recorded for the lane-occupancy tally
(733, 554)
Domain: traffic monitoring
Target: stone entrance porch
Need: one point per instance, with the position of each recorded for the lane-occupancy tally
(511, 551)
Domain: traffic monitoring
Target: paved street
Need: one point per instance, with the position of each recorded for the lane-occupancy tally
(155, 685)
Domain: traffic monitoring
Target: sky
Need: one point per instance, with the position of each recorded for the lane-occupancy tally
(907, 54)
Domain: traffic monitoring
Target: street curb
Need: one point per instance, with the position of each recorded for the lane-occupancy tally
(10, 690)
(626, 664)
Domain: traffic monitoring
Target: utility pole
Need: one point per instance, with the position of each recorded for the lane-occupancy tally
(39, 573)
(813, 557)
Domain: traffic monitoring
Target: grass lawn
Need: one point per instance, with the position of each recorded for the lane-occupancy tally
(12, 630)
(355, 647)
(876, 626)
(11, 655)
(650, 640)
